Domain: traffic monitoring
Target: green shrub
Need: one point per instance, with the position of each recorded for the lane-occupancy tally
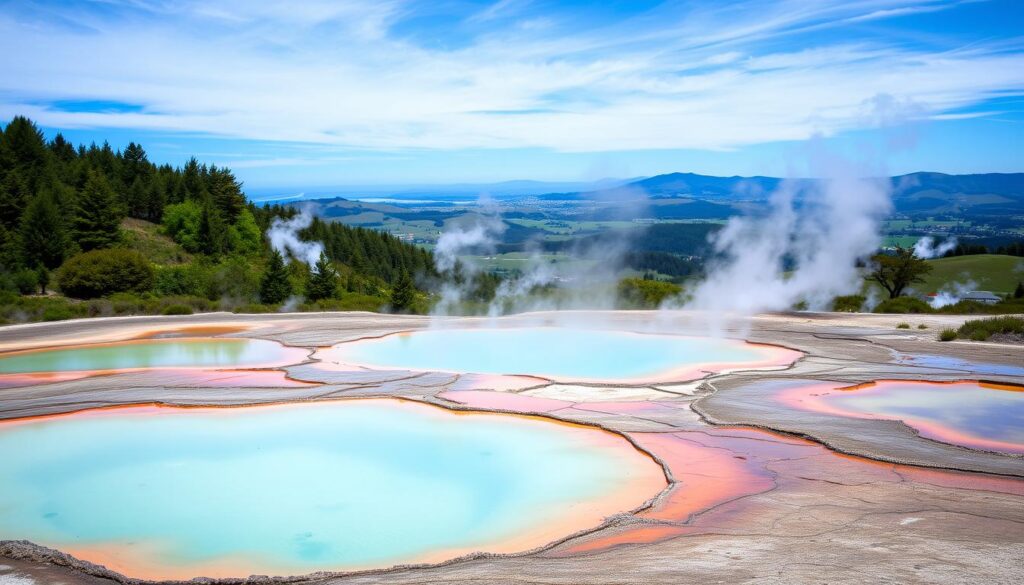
(103, 272)
(57, 313)
(346, 302)
(26, 281)
(177, 310)
(19, 309)
(848, 303)
(947, 335)
(922, 326)
(982, 329)
(255, 308)
(640, 293)
(903, 305)
(903, 326)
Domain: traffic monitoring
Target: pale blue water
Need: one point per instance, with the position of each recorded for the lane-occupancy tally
(299, 487)
(965, 407)
(228, 352)
(555, 351)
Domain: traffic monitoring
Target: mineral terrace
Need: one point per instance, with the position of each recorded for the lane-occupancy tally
(757, 492)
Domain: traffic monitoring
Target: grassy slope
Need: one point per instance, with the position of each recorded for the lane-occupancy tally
(992, 272)
(146, 238)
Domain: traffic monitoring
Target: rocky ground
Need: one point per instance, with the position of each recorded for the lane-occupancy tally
(758, 493)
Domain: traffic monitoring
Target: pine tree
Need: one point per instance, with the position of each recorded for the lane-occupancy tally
(44, 238)
(134, 163)
(192, 180)
(14, 196)
(26, 151)
(226, 192)
(403, 294)
(275, 287)
(97, 220)
(1019, 291)
(323, 280)
(212, 231)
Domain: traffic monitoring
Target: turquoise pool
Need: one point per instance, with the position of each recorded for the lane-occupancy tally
(166, 493)
(557, 352)
(156, 353)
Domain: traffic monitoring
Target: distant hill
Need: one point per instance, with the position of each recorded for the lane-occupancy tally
(937, 193)
(990, 193)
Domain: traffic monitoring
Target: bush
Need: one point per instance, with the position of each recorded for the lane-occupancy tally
(848, 303)
(346, 302)
(26, 281)
(177, 310)
(19, 309)
(639, 293)
(922, 326)
(57, 313)
(903, 305)
(255, 308)
(947, 335)
(903, 326)
(103, 272)
(982, 329)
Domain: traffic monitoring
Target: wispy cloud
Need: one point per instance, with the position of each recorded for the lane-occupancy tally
(349, 74)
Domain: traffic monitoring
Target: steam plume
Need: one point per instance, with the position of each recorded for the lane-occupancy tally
(284, 237)
(926, 248)
(804, 250)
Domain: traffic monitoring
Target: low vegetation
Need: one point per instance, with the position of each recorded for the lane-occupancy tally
(645, 293)
(848, 303)
(1009, 327)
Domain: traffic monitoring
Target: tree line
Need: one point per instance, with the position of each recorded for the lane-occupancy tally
(63, 208)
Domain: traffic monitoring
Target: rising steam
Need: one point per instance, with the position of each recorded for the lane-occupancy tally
(805, 250)
(926, 248)
(284, 237)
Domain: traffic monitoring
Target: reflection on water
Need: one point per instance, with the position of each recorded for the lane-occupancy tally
(150, 354)
(561, 352)
(295, 488)
(968, 413)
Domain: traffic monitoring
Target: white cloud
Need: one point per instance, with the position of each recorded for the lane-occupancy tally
(336, 73)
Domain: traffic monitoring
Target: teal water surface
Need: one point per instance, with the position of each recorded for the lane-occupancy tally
(225, 352)
(297, 488)
(555, 351)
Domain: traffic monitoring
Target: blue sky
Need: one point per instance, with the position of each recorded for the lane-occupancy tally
(361, 92)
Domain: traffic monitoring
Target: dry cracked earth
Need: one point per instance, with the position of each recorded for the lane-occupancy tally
(757, 493)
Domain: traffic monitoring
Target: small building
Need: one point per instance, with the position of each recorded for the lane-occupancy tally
(982, 296)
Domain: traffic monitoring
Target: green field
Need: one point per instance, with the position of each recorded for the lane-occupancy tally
(523, 261)
(999, 274)
(905, 241)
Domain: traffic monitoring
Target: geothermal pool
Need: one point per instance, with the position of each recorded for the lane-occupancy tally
(558, 353)
(152, 353)
(175, 493)
(971, 414)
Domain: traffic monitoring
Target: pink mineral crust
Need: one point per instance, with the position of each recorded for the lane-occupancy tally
(821, 398)
(704, 476)
(504, 401)
(37, 378)
(715, 469)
